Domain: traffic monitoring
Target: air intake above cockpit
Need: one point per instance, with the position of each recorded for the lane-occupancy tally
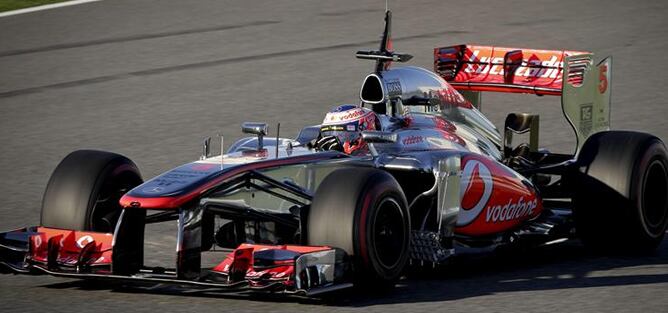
(372, 90)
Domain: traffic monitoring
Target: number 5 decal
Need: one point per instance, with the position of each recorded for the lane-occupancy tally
(603, 78)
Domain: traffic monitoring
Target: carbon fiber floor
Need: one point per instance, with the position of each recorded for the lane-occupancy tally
(150, 79)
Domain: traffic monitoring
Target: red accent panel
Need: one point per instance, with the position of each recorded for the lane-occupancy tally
(482, 68)
(241, 259)
(71, 243)
(128, 201)
(174, 202)
(495, 199)
(240, 262)
(295, 248)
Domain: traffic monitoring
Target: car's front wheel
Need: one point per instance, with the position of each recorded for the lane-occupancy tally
(363, 211)
(84, 189)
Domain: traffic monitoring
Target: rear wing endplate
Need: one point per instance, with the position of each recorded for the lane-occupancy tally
(585, 97)
(586, 102)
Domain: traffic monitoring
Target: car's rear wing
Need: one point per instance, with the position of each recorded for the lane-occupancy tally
(585, 96)
(486, 68)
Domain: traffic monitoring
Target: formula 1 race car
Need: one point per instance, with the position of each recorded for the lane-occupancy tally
(437, 179)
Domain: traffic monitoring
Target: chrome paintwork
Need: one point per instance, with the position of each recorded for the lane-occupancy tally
(436, 131)
(259, 129)
(439, 126)
(320, 264)
(404, 85)
(206, 148)
(188, 243)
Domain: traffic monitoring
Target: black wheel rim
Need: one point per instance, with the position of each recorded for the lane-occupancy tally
(389, 233)
(106, 209)
(654, 199)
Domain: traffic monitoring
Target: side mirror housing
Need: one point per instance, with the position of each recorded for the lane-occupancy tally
(373, 136)
(260, 129)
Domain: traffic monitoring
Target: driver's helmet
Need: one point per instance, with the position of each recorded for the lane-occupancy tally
(346, 123)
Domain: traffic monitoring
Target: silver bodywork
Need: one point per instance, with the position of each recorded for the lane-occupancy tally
(402, 86)
(421, 143)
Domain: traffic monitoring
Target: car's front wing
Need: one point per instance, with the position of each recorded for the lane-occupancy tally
(291, 269)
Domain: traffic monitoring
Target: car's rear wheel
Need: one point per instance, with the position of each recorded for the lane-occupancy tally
(621, 200)
(364, 212)
(84, 190)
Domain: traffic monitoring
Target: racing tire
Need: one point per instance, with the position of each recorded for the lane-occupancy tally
(621, 199)
(364, 212)
(84, 190)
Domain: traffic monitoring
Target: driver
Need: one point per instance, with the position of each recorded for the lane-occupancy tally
(342, 129)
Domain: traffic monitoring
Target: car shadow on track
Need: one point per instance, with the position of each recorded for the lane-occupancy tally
(564, 266)
(550, 268)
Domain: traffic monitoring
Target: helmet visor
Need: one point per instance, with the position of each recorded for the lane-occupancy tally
(345, 133)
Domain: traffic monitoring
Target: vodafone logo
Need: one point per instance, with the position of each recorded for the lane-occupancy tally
(38, 241)
(334, 117)
(512, 210)
(354, 114)
(475, 191)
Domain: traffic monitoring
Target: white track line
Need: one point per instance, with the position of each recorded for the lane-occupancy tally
(46, 7)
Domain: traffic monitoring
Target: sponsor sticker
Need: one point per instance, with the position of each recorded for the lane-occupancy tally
(412, 140)
(603, 78)
(83, 241)
(475, 192)
(511, 210)
(394, 88)
(477, 185)
(586, 118)
(494, 66)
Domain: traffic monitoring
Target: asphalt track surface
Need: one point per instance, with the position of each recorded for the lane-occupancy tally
(150, 79)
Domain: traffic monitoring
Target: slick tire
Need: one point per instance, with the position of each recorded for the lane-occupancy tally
(621, 203)
(364, 212)
(84, 189)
